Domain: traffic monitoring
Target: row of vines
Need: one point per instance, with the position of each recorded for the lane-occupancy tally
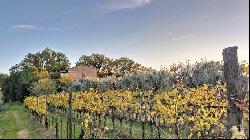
(197, 112)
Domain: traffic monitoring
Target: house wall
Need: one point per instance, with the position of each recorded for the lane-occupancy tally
(82, 72)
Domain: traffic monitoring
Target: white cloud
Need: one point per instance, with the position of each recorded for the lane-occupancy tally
(125, 4)
(183, 37)
(169, 33)
(26, 28)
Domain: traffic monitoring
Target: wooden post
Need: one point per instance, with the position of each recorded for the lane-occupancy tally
(158, 128)
(67, 128)
(74, 131)
(56, 129)
(99, 119)
(121, 113)
(142, 114)
(48, 123)
(131, 122)
(121, 124)
(70, 115)
(52, 124)
(234, 94)
(81, 133)
(46, 113)
(176, 124)
(113, 118)
(61, 128)
(151, 105)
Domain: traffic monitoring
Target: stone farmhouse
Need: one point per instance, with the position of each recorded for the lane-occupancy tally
(81, 72)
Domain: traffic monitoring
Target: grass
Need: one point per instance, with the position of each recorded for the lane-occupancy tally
(12, 120)
(9, 127)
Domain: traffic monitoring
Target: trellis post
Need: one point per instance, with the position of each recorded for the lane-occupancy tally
(70, 114)
(234, 94)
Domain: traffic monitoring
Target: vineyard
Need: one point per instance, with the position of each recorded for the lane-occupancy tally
(205, 100)
(124, 69)
(141, 107)
(198, 111)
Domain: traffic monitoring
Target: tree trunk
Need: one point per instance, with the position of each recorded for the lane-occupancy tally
(232, 78)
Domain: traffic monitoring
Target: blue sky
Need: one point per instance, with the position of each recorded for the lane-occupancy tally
(152, 32)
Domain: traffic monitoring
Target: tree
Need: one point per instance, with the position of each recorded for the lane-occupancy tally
(13, 88)
(85, 60)
(31, 75)
(49, 60)
(65, 82)
(34, 67)
(99, 61)
(1, 99)
(43, 87)
(109, 67)
(4, 86)
(95, 60)
(124, 66)
(3, 77)
(193, 75)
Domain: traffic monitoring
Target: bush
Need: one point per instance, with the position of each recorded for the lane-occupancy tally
(1, 99)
